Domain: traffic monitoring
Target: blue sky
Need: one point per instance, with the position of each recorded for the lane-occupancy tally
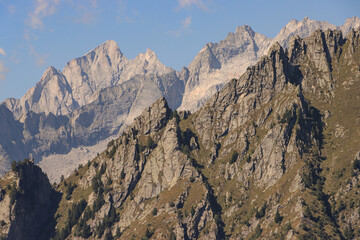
(36, 34)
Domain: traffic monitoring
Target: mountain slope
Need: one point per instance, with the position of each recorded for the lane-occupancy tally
(273, 155)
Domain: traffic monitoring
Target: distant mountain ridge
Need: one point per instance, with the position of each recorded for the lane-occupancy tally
(96, 95)
(238, 51)
(90, 100)
(61, 92)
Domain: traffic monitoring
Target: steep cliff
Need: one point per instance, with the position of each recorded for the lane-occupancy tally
(28, 203)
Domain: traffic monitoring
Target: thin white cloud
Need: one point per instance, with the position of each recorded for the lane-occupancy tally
(15, 58)
(121, 12)
(86, 12)
(189, 3)
(93, 3)
(186, 22)
(11, 9)
(185, 28)
(42, 8)
(2, 52)
(39, 59)
(30, 35)
(85, 18)
(3, 70)
(26, 35)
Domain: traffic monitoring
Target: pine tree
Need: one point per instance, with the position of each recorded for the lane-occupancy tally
(278, 218)
(118, 233)
(348, 232)
(122, 174)
(13, 165)
(109, 236)
(148, 233)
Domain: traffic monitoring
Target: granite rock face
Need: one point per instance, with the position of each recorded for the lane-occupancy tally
(219, 61)
(31, 204)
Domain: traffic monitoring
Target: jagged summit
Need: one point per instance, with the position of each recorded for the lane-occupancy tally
(150, 53)
(244, 28)
(302, 28)
(48, 73)
(275, 47)
(110, 44)
(110, 47)
(240, 50)
(241, 32)
(350, 23)
(151, 59)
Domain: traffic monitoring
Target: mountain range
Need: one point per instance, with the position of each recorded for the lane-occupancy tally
(274, 154)
(70, 115)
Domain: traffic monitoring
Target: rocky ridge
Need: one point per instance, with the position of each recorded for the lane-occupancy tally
(81, 80)
(238, 51)
(274, 154)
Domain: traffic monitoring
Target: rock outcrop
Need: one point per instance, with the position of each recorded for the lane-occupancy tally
(29, 203)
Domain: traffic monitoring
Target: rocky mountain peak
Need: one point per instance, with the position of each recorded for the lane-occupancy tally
(149, 58)
(276, 48)
(241, 36)
(153, 118)
(48, 74)
(219, 61)
(293, 21)
(302, 28)
(150, 53)
(109, 47)
(350, 23)
(205, 59)
(319, 42)
(108, 51)
(244, 29)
